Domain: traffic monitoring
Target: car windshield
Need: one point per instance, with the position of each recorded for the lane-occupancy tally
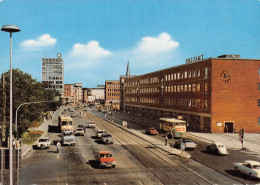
(107, 135)
(221, 146)
(256, 166)
(68, 133)
(80, 129)
(43, 140)
(105, 155)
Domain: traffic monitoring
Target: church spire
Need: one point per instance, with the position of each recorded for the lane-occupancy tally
(127, 70)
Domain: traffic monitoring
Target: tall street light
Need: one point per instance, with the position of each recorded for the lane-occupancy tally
(11, 29)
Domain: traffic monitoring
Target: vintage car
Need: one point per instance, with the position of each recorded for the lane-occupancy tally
(105, 159)
(107, 138)
(91, 124)
(43, 143)
(151, 131)
(189, 144)
(80, 131)
(217, 148)
(251, 168)
(99, 133)
(68, 137)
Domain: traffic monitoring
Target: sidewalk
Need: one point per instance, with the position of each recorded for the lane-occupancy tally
(43, 127)
(152, 140)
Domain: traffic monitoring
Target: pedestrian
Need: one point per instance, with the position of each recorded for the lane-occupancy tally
(58, 146)
(166, 140)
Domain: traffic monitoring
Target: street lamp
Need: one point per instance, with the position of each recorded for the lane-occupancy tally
(11, 29)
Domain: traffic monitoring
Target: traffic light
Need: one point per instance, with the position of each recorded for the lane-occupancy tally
(242, 133)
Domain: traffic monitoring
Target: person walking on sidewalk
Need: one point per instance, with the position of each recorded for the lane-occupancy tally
(166, 140)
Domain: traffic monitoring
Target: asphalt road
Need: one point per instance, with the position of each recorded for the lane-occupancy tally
(76, 164)
(223, 164)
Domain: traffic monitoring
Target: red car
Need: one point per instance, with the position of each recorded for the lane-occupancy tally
(151, 131)
(105, 159)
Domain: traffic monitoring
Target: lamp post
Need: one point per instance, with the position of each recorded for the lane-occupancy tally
(11, 29)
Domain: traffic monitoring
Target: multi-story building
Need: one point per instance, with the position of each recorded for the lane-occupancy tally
(78, 93)
(112, 89)
(68, 95)
(212, 95)
(53, 73)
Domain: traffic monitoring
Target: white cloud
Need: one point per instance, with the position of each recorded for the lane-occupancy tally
(155, 45)
(42, 42)
(91, 50)
(1, 0)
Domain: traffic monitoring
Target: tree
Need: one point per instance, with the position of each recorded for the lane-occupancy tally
(26, 89)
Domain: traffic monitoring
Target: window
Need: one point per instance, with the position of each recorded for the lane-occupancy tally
(206, 73)
(189, 87)
(258, 102)
(206, 88)
(194, 73)
(258, 121)
(259, 71)
(259, 87)
(185, 88)
(198, 87)
(193, 87)
(185, 74)
(206, 105)
(181, 88)
(189, 74)
(198, 72)
(174, 76)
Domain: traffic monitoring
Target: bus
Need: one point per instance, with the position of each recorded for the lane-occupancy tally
(167, 124)
(65, 123)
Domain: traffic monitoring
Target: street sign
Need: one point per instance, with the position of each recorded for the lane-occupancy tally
(183, 146)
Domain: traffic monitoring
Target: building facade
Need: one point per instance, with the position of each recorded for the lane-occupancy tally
(213, 95)
(53, 73)
(68, 95)
(112, 91)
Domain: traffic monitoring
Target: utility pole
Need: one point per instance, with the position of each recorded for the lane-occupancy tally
(4, 107)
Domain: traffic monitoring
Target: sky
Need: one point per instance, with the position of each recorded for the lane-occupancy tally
(98, 37)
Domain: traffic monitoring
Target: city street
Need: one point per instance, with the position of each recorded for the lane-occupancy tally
(137, 162)
(224, 164)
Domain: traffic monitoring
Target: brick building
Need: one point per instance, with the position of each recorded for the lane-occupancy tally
(213, 95)
(112, 91)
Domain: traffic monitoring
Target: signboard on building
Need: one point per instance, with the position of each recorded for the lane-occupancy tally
(194, 59)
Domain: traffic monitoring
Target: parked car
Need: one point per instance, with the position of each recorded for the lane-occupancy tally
(189, 144)
(151, 131)
(99, 133)
(217, 148)
(43, 143)
(105, 159)
(251, 168)
(80, 131)
(82, 126)
(107, 138)
(91, 124)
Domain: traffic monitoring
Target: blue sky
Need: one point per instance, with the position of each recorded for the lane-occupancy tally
(97, 37)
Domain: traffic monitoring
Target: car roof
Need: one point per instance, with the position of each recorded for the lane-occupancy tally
(104, 152)
(252, 162)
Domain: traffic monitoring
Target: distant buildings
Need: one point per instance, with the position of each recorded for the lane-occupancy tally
(213, 95)
(53, 73)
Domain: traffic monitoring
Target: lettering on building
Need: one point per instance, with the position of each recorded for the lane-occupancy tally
(194, 59)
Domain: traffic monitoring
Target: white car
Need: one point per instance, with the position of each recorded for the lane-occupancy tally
(100, 133)
(217, 148)
(189, 144)
(251, 168)
(91, 124)
(44, 142)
